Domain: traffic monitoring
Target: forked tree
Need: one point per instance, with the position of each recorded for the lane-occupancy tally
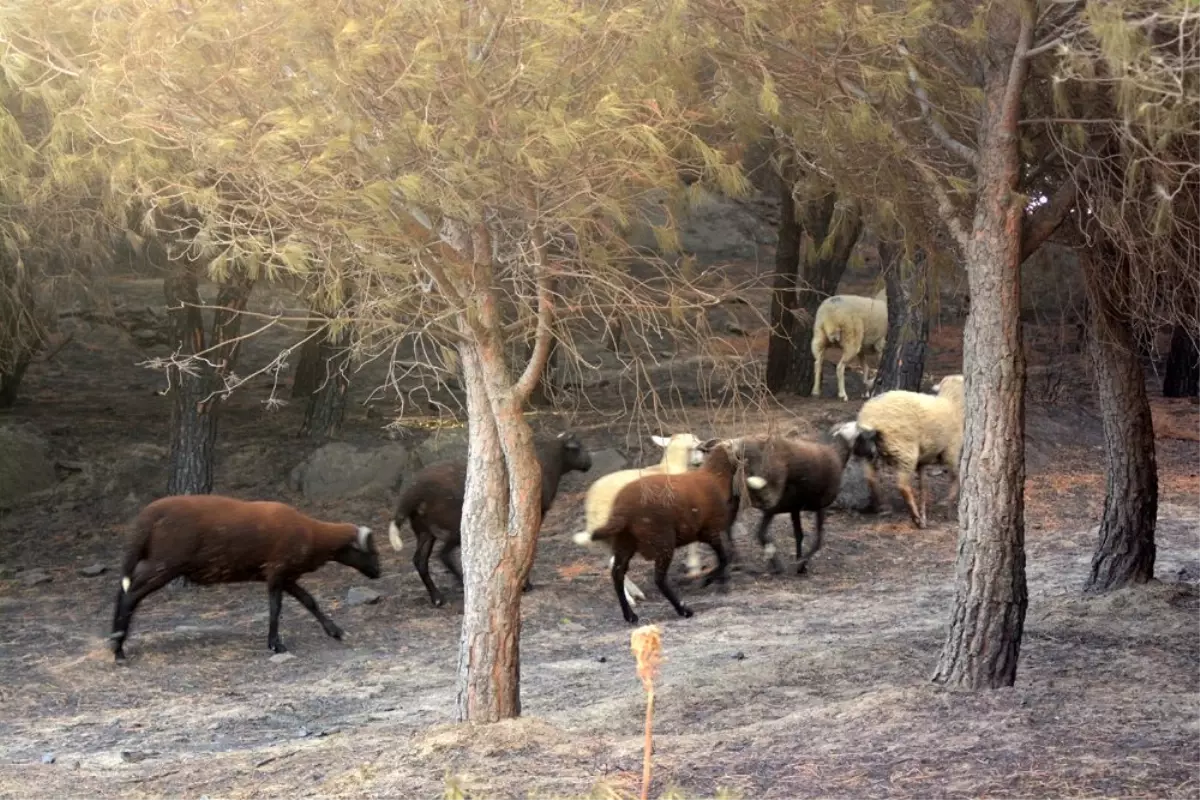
(470, 168)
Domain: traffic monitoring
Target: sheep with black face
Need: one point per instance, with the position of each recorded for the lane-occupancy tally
(432, 504)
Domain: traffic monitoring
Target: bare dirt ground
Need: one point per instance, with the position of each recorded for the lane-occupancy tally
(785, 686)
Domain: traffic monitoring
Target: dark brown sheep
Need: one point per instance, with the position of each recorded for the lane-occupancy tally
(213, 539)
(786, 475)
(432, 504)
(656, 514)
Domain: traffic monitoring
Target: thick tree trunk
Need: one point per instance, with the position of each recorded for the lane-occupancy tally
(1182, 378)
(10, 379)
(902, 364)
(1125, 551)
(783, 290)
(326, 408)
(194, 405)
(983, 642)
(309, 369)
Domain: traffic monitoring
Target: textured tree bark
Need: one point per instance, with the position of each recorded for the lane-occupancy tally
(783, 289)
(1182, 378)
(502, 503)
(194, 408)
(983, 642)
(902, 364)
(1125, 550)
(326, 408)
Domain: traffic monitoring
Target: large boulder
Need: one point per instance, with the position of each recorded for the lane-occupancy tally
(340, 469)
(442, 444)
(25, 463)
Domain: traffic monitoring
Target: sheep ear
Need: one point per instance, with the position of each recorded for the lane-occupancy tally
(707, 447)
(661, 441)
(364, 538)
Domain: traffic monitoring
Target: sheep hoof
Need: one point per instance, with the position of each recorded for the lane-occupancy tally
(685, 612)
(276, 647)
(631, 618)
(438, 601)
(119, 656)
(802, 568)
(335, 632)
(528, 587)
(775, 565)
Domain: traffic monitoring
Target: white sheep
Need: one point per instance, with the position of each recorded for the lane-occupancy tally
(856, 324)
(909, 430)
(680, 452)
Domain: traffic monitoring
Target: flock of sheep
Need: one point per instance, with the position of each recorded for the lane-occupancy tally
(691, 497)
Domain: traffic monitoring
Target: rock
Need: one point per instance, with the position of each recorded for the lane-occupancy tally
(282, 658)
(442, 444)
(35, 577)
(359, 595)
(571, 627)
(134, 756)
(137, 476)
(739, 656)
(606, 461)
(713, 228)
(49, 758)
(26, 466)
(93, 570)
(339, 470)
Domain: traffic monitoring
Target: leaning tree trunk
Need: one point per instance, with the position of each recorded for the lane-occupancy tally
(832, 234)
(1125, 551)
(1182, 378)
(902, 364)
(984, 637)
(195, 404)
(326, 408)
(783, 289)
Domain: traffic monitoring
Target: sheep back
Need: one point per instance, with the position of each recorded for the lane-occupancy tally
(800, 475)
(216, 539)
(913, 429)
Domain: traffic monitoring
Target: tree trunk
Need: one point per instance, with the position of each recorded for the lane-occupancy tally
(1125, 551)
(195, 405)
(502, 503)
(21, 334)
(309, 369)
(832, 234)
(783, 289)
(326, 407)
(1182, 377)
(902, 364)
(543, 393)
(983, 642)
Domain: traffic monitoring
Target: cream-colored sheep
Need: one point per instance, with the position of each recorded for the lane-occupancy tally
(854, 323)
(680, 453)
(909, 430)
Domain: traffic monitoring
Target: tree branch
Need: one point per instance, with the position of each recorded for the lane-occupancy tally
(963, 151)
(545, 321)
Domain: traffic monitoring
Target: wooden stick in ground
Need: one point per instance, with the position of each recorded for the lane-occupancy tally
(646, 643)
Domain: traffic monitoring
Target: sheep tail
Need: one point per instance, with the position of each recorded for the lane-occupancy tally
(403, 511)
(135, 551)
(605, 533)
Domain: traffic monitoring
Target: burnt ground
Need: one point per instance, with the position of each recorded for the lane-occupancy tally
(784, 686)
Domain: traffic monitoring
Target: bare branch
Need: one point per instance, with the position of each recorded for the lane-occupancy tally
(963, 151)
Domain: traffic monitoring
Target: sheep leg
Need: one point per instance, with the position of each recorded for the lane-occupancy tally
(305, 599)
(818, 354)
(768, 546)
(127, 603)
(802, 567)
(275, 603)
(662, 566)
(421, 562)
(445, 555)
(872, 487)
(632, 592)
(798, 533)
(620, 565)
(924, 496)
(902, 482)
(721, 573)
(692, 559)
